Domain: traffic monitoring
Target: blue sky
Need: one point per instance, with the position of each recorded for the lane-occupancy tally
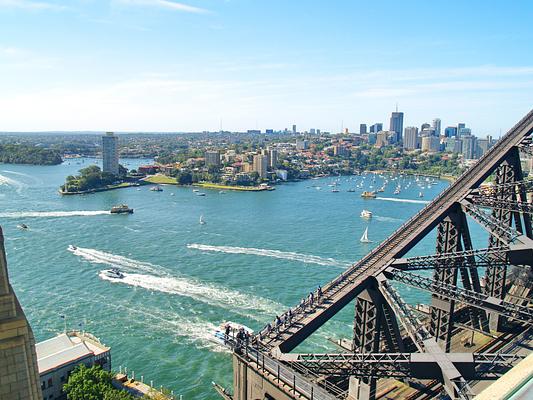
(163, 65)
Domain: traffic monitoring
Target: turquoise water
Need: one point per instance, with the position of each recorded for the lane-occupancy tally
(257, 254)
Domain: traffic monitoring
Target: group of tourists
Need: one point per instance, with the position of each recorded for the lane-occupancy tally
(307, 303)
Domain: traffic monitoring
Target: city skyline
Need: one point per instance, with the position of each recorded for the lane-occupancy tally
(161, 65)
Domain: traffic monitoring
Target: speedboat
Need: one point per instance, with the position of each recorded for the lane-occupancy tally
(23, 227)
(368, 195)
(366, 214)
(121, 209)
(232, 328)
(72, 247)
(114, 273)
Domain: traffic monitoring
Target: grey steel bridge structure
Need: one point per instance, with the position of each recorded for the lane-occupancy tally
(391, 339)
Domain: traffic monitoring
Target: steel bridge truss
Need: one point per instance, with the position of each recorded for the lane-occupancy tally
(390, 339)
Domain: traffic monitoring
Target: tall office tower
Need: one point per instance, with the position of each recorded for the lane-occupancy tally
(260, 165)
(464, 132)
(436, 126)
(482, 147)
(212, 158)
(460, 126)
(410, 138)
(272, 158)
(110, 153)
(362, 129)
(450, 131)
(294, 129)
(424, 126)
(19, 375)
(396, 125)
(312, 131)
(469, 147)
(377, 127)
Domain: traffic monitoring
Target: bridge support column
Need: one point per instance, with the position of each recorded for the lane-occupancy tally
(495, 279)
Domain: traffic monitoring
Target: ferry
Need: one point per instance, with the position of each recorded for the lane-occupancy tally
(156, 189)
(114, 273)
(368, 195)
(232, 328)
(121, 209)
(366, 214)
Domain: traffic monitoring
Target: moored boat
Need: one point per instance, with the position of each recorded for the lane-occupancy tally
(156, 188)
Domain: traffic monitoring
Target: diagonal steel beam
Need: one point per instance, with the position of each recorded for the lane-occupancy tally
(479, 300)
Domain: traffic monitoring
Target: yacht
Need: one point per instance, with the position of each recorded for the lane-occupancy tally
(366, 214)
(364, 238)
(121, 209)
(156, 188)
(420, 194)
(114, 273)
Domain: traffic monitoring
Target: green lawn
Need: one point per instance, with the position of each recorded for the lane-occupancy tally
(161, 179)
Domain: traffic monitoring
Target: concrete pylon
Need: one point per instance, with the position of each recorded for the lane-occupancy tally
(19, 375)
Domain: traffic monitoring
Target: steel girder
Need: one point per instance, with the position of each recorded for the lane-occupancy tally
(461, 259)
(479, 300)
(503, 234)
(400, 365)
(507, 205)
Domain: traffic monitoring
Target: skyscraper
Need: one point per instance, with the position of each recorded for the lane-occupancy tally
(396, 125)
(411, 140)
(469, 147)
(110, 153)
(294, 129)
(362, 129)
(450, 131)
(425, 126)
(436, 126)
(377, 127)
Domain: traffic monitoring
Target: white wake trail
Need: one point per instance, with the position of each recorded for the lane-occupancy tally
(51, 214)
(161, 279)
(403, 200)
(285, 255)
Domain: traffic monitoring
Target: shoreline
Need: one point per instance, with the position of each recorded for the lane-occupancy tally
(102, 189)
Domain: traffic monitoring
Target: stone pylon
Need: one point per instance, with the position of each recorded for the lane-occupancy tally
(19, 375)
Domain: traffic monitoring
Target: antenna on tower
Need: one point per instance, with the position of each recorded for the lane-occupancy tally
(396, 106)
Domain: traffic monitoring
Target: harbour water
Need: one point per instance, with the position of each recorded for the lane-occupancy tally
(257, 254)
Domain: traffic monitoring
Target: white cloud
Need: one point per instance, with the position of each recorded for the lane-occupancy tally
(168, 4)
(29, 5)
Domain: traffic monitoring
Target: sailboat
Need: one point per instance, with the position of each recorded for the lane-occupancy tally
(364, 238)
(202, 222)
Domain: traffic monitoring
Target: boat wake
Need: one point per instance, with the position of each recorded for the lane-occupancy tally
(51, 214)
(403, 200)
(158, 278)
(285, 255)
(386, 219)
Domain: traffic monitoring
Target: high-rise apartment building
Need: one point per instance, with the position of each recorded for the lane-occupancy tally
(383, 138)
(469, 147)
(464, 131)
(411, 140)
(302, 144)
(377, 127)
(110, 153)
(362, 129)
(294, 129)
(272, 158)
(260, 165)
(396, 126)
(212, 158)
(430, 144)
(436, 126)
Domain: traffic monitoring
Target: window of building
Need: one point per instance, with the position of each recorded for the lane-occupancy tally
(43, 386)
(50, 383)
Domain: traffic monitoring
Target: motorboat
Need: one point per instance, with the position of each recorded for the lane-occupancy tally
(364, 238)
(366, 214)
(202, 221)
(72, 247)
(157, 188)
(200, 194)
(196, 190)
(420, 194)
(232, 329)
(114, 273)
(368, 195)
(121, 209)
(351, 190)
(24, 227)
(335, 190)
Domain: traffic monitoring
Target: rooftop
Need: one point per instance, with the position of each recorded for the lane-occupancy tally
(67, 348)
